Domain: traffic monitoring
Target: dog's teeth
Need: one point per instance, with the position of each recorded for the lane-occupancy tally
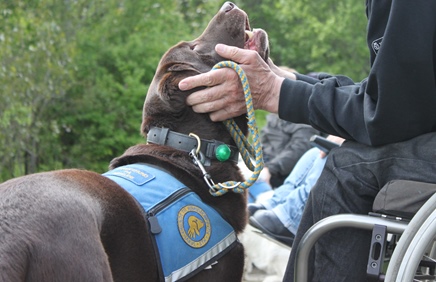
(249, 33)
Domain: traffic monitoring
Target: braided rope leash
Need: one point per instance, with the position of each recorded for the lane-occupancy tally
(247, 151)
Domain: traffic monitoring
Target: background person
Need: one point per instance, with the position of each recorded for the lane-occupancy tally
(283, 144)
(280, 215)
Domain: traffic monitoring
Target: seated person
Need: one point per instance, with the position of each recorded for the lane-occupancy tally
(283, 143)
(280, 215)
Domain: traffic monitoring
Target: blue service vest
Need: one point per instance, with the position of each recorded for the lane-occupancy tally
(189, 234)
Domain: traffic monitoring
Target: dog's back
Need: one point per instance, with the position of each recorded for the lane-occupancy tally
(61, 226)
(40, 223)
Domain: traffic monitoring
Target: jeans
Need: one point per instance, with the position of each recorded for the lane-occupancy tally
(289, 199)
(352, 177)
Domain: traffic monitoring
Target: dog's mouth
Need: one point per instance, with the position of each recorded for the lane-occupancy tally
(257, 40)
(241, 33)
(247, 30)
(250, 42)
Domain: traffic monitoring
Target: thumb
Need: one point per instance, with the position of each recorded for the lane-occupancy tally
(232, 53)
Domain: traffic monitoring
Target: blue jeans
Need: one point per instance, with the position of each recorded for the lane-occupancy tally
(352, 177)
(289, 199)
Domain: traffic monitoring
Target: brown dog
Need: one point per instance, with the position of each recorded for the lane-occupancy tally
(76, 225)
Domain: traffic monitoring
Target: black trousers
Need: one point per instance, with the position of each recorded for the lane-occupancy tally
(352, 177)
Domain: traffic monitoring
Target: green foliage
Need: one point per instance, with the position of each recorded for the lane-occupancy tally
(316, 35)
(35, 71)
(117, 54)
(74, 74)
(197, 13)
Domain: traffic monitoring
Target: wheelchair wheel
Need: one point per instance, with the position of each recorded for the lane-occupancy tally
(413, 244)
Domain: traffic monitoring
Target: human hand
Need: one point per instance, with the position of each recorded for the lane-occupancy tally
(224, 97)
(265, 175)
(333, 138)
(282, 70)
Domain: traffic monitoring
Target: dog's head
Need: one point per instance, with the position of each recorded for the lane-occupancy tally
(165, 103)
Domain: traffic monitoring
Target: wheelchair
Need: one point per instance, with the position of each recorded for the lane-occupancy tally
(403, 224)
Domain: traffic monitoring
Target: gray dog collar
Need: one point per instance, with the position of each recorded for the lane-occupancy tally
(183, 142)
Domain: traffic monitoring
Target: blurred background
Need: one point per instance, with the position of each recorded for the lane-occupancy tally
(74, 73)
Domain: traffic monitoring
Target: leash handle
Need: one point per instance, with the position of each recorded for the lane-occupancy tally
(247, 150)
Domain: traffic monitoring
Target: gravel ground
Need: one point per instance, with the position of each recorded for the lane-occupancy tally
(255, 275)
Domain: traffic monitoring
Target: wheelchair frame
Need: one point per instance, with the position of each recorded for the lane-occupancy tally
(417, 237)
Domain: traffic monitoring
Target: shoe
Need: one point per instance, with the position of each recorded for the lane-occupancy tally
(253, 208)
(267, 222)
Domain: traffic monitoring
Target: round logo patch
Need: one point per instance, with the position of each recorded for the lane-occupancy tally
(194, 226)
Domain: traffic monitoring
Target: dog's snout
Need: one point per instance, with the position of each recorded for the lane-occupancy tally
(227, 7)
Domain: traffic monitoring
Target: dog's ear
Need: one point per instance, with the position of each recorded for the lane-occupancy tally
(169, 84)
(165, 102)
(180, 67)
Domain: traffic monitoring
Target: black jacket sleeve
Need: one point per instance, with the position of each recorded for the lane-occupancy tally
(398, 99)
(283, 144)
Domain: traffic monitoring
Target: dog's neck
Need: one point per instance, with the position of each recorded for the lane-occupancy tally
(208, 149)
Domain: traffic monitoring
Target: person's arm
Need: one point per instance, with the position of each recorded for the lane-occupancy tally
(396, 102)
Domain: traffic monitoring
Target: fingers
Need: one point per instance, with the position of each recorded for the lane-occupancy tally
(211, 78)
(216, 77)
(228, 112)
(223, 96)
(241, 56)
(204, 101)
(322, 154)
(191, 82)
(219, 76)
(220, 107)
(222, 80)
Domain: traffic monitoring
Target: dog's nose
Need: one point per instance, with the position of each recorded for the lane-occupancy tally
(227, 7)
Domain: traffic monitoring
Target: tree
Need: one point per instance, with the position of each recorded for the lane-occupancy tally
(316, 35)
(118, 48)
(36, 69)
(74, 77)
(74, 73)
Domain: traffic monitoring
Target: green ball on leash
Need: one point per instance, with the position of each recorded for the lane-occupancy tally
(247, 150)
(222, 153)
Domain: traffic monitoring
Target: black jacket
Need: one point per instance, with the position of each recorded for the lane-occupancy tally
(283, 143)
(398, 99)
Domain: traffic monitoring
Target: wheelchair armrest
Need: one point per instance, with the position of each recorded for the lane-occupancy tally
(403, 198)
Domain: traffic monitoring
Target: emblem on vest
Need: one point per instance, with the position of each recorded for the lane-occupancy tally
(194, 226)
(376, 44)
